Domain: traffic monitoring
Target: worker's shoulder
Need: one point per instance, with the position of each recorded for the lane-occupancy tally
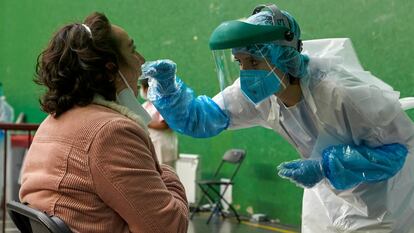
(343, 84)
(338, 88)
(346, 91)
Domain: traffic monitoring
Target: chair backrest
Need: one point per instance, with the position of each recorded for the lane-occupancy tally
(30, 220)
(232, 156)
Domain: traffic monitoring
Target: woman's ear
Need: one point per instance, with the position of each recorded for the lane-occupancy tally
(110, 66)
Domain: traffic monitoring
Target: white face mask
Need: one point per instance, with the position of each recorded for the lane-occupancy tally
(128, 99)
(142, 94)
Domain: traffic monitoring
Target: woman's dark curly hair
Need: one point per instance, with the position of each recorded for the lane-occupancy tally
(72, 67)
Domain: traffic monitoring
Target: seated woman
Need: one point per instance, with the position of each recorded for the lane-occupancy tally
(92, 162)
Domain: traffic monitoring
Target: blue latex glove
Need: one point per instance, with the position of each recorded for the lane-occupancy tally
(346, 166)
(159, 69)
(161, 74)
(305, 173)
(185, 113)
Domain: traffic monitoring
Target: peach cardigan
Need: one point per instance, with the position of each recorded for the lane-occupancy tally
(95, 167)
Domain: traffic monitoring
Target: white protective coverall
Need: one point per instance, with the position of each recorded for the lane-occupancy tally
(165, 140)
(348, 106)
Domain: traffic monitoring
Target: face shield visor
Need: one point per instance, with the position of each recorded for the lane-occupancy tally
(241, 49)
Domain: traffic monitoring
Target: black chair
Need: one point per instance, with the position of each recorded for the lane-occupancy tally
(30, 220)
(211, 188)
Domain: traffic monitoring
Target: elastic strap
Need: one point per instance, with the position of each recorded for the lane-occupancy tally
(279, 19)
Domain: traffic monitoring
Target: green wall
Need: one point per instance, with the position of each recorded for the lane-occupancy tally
(381, 32)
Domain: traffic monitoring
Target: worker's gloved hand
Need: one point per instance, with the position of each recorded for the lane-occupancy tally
(159, 69)
(305, 173)
(162, 81)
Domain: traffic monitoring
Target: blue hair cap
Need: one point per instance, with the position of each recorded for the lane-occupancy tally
(286, 58)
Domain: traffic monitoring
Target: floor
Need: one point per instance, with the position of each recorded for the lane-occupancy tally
(217, 225)
(230, 225)
(10, 228)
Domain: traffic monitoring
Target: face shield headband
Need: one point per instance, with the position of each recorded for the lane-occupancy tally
(256, 85)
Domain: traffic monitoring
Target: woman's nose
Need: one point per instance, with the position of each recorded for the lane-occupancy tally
(141, 58)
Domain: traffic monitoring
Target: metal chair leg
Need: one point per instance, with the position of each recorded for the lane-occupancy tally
(235, 212)
(221, 197)
(197, 208)
(205, 194)
(213, 212)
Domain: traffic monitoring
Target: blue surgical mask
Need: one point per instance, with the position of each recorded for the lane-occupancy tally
(258, 85)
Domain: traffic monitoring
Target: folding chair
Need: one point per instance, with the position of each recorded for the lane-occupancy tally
(211, 188)
(30, 220)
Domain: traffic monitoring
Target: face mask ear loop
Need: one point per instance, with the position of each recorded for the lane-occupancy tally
(283, 79)
(126, 83)
(272, 69)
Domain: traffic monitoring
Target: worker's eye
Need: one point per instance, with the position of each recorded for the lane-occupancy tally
(254, 62)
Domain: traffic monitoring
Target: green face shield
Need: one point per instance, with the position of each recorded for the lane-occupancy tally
(236, 33)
